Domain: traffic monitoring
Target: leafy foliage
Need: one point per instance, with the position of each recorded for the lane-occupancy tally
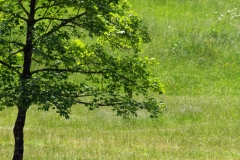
(43, 42)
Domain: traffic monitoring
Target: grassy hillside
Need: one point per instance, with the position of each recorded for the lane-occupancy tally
(197, 45)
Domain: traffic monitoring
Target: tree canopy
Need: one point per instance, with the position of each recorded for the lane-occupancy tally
(48, 38)
(44, 43)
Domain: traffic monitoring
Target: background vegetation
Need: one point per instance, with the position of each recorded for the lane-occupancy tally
(197, 46)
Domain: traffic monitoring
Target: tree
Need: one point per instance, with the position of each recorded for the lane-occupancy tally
(44, 42)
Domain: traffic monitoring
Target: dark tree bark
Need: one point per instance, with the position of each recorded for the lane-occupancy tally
(25, 102)
(18, 134)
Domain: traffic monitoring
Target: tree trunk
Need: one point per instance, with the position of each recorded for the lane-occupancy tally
(18, 134)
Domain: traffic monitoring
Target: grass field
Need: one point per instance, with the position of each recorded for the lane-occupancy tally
(197, 43)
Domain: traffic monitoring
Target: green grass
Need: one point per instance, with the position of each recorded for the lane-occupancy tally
(192, 37)
(197, 45)
(190, 128)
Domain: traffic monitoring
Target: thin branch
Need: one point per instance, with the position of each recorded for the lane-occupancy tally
(36, 60)
(66, 70)
(13, 14)
(15, 42)
(54, 4)
(4, 52)
(20, 50)
(50, 18)
(76, 96)
(23, 8)
(10, 67)
(23, 18)
(63, 23)
(118, 45)
(10, 96)
(79, 25)
(47, 8)
(98, 104)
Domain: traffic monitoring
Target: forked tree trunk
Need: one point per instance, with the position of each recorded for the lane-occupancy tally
(18, 134)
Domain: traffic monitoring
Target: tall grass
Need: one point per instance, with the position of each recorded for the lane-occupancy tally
(197, 45)
(191, 128)
(192, 37)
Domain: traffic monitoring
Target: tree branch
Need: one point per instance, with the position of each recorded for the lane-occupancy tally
(98, 104)
(20, 50)
(36, 60)
(13, 14)
(23, 8)
(49, 18)
(66, 70)
(63, 23)
(118, 45)
(49, 6)
(10, 67)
